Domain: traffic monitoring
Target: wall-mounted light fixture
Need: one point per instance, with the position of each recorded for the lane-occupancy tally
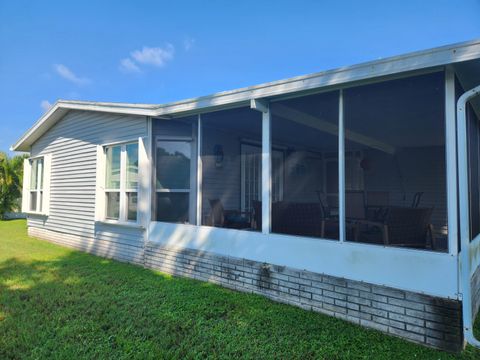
(218, 153)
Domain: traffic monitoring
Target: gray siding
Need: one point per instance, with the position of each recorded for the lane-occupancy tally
(73, 144)
(221, 183)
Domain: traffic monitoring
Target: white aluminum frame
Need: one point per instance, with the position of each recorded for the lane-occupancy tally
(266, 169)
(451, 161)
(263, 106)
(470, 250)
(199, 171)
(341, 168)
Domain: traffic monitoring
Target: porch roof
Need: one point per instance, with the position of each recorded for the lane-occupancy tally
(410, 62)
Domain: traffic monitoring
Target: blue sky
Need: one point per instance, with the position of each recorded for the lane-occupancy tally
(161, 51)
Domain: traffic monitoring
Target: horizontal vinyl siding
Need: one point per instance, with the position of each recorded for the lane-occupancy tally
(73, 144)
(223, 182)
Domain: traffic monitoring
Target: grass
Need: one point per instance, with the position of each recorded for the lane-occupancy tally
(56, 303)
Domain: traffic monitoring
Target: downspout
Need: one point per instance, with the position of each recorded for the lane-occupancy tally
(465, 216)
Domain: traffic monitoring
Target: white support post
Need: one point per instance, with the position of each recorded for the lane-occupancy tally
(264, 108)
(146, 174)
(341, 167)
(451, 160)
(199, 171)
(266, 171)
(123, 176)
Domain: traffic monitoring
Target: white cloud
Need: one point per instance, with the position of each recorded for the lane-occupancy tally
(188, 43)
(45, 105)
(154, 56)
(69, 75)
(128, 65)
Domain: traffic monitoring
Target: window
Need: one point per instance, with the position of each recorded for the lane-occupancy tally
(121, 182)
(173, 163)
(36, 185)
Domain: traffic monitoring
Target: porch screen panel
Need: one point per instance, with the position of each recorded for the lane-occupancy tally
(473, 138)
(173, 180)
(395, 163)
(231, 166)
(175, 175)
(305, 130)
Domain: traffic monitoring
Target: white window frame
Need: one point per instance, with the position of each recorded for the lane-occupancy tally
(42, 188)
(39, 176)
(123, 190)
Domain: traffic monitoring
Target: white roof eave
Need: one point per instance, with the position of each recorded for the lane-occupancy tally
(410, 62)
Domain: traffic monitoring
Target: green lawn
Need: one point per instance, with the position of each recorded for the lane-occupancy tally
(57, 303)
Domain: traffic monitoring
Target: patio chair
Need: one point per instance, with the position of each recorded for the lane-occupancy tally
(416, 199)
(403, 226)
(256, 214)
(304, 219)
(377, 203)
(233, 219)
(355, 210)
(323, 203)
(355, 205)
(307, 219)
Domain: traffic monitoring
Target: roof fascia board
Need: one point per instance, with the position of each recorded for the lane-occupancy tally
(398, 64)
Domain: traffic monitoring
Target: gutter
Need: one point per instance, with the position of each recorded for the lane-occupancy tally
(465, 262)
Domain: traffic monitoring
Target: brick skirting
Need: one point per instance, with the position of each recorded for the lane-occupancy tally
(427, 320)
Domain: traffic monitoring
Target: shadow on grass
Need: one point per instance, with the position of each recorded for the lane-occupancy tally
(83, 306)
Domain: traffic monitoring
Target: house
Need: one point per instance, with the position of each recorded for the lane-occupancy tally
(354, 192)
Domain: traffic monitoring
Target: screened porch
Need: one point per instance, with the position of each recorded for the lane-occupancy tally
(365, 164)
